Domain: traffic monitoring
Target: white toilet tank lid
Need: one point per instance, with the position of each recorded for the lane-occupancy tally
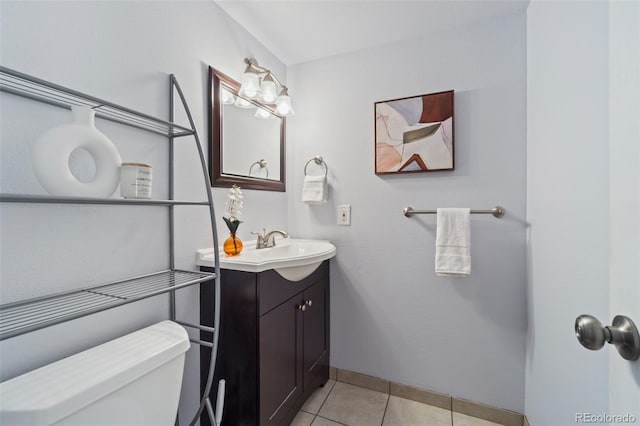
(52, 392)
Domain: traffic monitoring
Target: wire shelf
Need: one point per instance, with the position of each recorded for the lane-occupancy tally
(53, 199)
(40, 90)
(29, 315)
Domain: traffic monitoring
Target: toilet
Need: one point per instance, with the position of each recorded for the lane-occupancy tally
(132, 380)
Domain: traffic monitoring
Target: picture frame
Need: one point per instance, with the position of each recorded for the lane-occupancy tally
(415, 134)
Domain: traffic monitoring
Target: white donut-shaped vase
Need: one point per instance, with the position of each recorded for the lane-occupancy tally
(51, 151)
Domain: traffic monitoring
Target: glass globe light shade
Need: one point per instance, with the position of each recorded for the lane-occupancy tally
(250, 86)
(284, 105)
(262, 114)
(242, 103)
(227, 96)
(268, 87)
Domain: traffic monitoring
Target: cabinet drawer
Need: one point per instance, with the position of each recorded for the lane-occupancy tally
(273, 289)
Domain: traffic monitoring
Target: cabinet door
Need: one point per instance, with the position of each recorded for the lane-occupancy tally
(280, 361)
(316, 335)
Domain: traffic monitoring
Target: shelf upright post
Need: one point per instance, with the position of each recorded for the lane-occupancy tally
(205, 401)
(172, 257)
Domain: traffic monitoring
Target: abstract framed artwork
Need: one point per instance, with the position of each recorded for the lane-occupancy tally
(414, 134)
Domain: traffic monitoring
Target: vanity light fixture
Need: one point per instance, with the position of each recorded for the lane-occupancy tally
(242, 103)
(283, 105)
(268, 88)
(260, 83)
(227, 97)
(250, 85)
(262, 114)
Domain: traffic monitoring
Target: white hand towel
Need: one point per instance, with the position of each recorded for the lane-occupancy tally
(453, 238)
(314, 189)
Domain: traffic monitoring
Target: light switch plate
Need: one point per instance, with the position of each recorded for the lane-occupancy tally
(344, 214)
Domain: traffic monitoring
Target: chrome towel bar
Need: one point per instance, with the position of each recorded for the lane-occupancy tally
(497, 211)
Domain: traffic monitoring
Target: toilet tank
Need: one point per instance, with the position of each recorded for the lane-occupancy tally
(132, 380)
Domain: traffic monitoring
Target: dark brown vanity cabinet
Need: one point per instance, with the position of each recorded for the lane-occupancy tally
(274, 343)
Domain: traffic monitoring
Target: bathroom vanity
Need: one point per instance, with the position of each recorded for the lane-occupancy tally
(274, 343)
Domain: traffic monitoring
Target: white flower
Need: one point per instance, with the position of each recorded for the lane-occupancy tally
(234, 202)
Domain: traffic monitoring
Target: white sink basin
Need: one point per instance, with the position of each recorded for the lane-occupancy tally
(294, 259)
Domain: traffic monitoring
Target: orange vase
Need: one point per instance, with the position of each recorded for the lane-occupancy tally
(232, 245)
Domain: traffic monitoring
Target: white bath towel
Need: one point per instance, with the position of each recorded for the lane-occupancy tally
(314, 189)
(453, 238)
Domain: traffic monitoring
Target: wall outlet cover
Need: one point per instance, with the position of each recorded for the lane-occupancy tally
(344, 214)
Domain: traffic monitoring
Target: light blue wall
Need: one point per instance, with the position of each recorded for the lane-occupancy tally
(391, 316)
(567, 206)
(122, 52)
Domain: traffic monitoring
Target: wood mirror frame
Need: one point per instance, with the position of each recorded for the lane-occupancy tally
(215, 143)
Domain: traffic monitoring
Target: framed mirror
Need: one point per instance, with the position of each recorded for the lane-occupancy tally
(246, 138)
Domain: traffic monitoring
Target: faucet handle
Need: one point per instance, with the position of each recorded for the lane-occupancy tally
(260, 241)
(264, 232)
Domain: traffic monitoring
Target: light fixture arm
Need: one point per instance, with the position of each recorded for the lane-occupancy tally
(260, 82)
(253, 63)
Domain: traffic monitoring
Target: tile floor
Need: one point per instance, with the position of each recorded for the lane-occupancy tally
(339, 403)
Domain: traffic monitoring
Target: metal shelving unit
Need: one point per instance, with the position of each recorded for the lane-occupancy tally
(33, 314)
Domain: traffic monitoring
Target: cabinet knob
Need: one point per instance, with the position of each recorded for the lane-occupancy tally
(309, 303)
(302, 307)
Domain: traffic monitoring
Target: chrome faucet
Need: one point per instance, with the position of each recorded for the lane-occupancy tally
(268, 240)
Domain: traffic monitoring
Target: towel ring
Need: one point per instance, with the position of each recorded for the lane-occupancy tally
(320, 162)
(263, 165)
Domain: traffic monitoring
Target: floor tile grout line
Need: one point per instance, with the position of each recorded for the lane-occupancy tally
(451, 408)
(385, 409)
(325, 398)
(331, 420)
